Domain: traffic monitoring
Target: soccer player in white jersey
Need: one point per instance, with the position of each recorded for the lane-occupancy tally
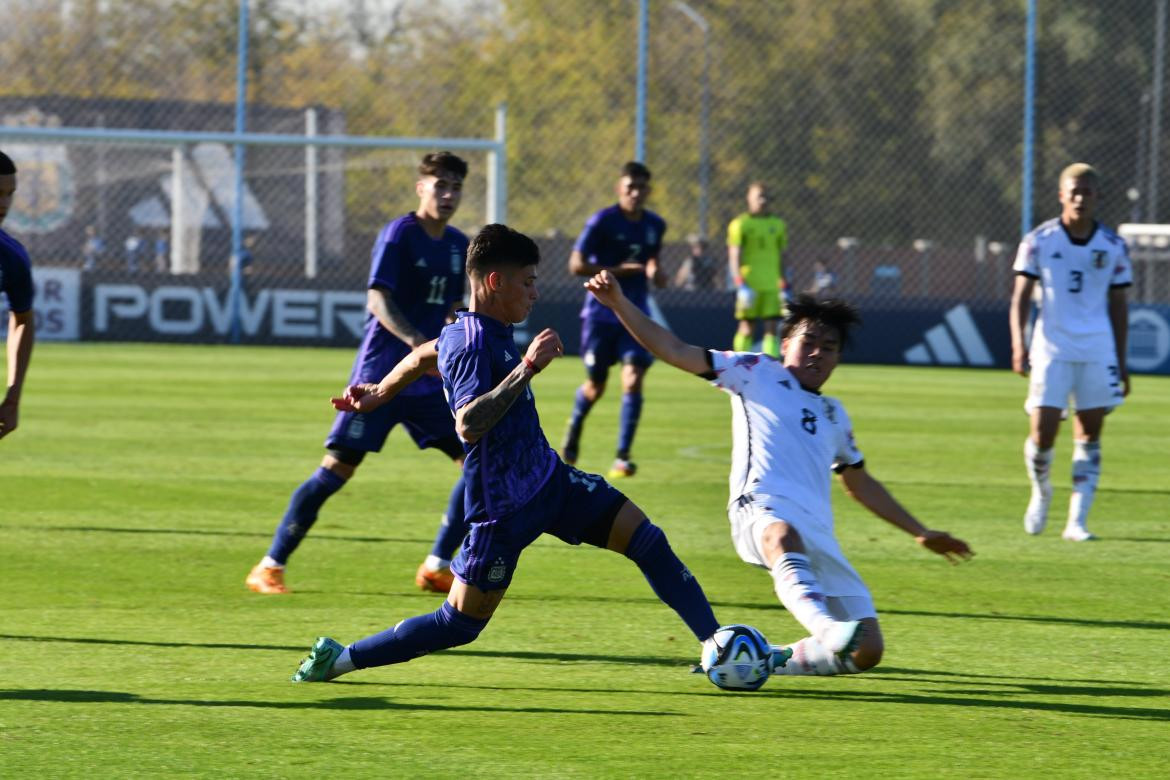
(786, 437)
(1078, 344)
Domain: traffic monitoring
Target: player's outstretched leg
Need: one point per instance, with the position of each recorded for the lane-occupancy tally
(434, 574)
(1086, 472)
(809, 656)
(670, 579)
(1039, 464)
(800, 593)
(303, 507)
(444, 628)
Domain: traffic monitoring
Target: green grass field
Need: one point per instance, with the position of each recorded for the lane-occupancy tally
(144, 481)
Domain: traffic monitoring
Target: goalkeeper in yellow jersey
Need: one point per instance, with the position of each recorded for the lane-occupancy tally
(755, 240)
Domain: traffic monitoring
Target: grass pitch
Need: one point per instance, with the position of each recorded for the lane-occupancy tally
(146, 480)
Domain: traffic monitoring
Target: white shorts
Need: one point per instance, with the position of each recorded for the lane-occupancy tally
(1092, 385)
(847, 596)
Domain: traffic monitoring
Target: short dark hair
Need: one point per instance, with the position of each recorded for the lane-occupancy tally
(435, 163)
(829, 312)
(500, 245)
(636, 170)
(7, 167)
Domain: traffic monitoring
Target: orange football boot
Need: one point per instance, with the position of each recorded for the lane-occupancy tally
(435, 580)
(266, 579)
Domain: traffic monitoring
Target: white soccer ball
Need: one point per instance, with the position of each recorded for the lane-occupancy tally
(736, 658)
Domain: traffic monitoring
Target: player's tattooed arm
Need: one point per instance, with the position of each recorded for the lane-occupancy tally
(382, 306)
(480, 416)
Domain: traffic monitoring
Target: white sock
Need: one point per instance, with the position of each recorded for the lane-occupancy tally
(1039, 465)
(435, 563)
(269, 563)
(809, 657)
(800, 593)
(1086, 471)
(343, 665)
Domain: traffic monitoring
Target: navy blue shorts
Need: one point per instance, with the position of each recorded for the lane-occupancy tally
(569, 505)
(427, 419)
(605, 343)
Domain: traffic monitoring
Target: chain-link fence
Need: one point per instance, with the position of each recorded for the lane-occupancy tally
(890, 133)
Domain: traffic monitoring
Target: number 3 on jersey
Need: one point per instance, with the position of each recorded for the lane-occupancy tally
(1076, 281)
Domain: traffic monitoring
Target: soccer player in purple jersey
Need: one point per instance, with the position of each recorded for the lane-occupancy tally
(517, 487)
(416, 282)
(17, 285)
(626, 239)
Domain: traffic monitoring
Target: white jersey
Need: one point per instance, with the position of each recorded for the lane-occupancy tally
(1075, 279)
(785, 439)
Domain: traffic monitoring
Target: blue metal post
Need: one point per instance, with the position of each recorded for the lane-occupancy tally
(238, 206)
(640, 118)
(1029, 120)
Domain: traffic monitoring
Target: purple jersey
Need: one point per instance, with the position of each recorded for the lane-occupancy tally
(425, 277)
(505, 468)
(609, 239)
(15, 274)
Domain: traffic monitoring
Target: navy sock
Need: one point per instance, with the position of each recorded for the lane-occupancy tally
(454, 526)
(445, 627)
(581, 407)
(631, 412)
(302, 512)
(671, 580)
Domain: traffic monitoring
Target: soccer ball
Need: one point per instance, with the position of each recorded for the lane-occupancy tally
(736, 658)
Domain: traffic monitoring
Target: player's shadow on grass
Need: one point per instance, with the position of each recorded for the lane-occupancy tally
(519, 655)
(203, 532)
(962, 699)
(62, 696)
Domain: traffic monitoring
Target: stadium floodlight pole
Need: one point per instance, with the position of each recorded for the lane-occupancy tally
(640, 110)
(1156, 111)
(705, 112)
(1029, 119)
(238, 205)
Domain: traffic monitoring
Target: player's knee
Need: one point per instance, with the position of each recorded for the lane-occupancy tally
(647, 540)
(461, 629)
(342, 461)
(779, 538)
(594, 388)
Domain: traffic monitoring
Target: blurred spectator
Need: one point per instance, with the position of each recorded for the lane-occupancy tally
(246, 258)
(824, 281)
(132, 246)
(162, 251)
(92, 248)
(697, 271)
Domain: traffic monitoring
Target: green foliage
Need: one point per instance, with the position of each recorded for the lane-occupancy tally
(145, 481)
(891, 119)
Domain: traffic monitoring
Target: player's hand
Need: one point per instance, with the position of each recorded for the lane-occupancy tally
(545, 348)
(1020, 361)
(8, 417)
(605, 288)
(357, 398)
(942, 543)
(1125, 387)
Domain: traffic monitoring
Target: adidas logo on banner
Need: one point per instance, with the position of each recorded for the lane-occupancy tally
(956, 342)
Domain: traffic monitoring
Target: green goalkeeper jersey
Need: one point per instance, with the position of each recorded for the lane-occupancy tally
(761, 239)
